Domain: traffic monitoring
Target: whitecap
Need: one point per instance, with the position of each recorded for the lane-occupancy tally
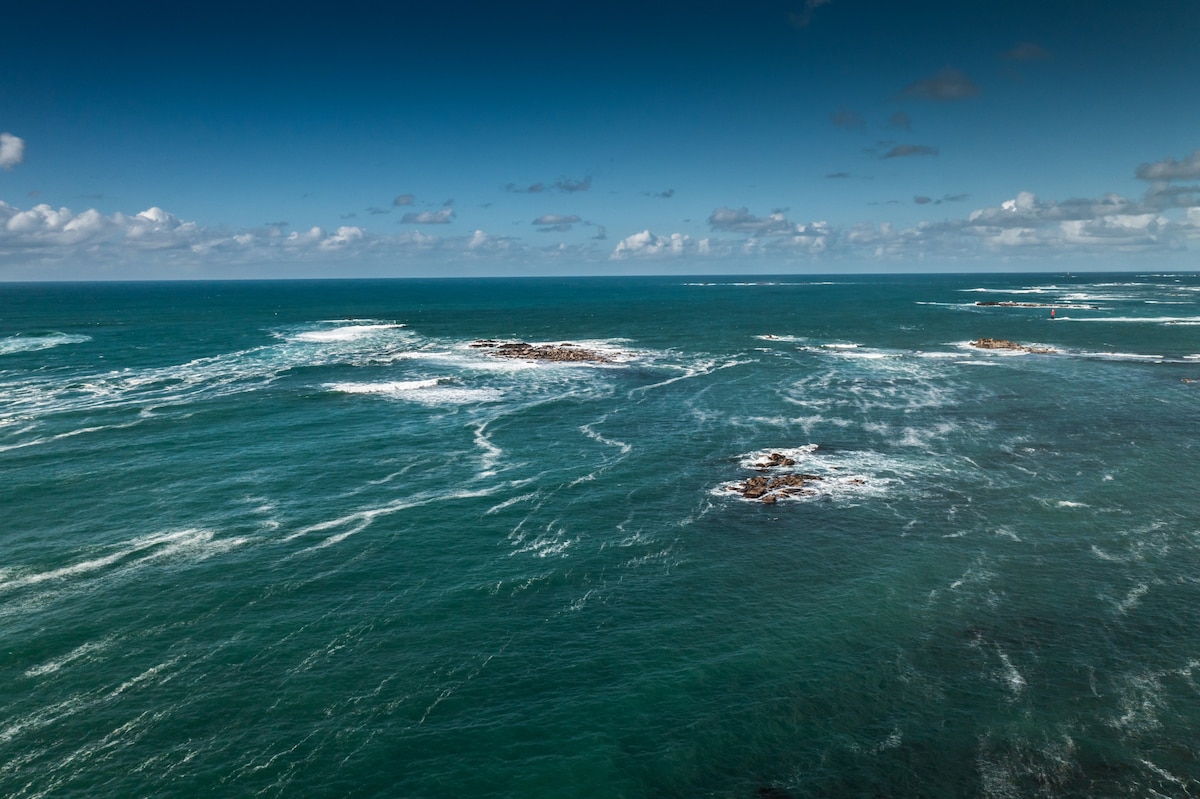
(347, 333)
(1148, 320)
(432, 391)
(19, 343)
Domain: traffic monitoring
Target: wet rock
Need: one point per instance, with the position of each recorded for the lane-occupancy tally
(565, 352)
(1005, 344)
(770, 488)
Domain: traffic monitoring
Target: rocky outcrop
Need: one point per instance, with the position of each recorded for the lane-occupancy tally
(565, 352)
(770, 489)
(1011, 304)
(1005, 344)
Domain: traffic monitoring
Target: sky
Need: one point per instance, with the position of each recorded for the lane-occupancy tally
(266, 140)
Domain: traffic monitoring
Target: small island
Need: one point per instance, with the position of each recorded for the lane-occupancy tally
(1005, 344)
(565, 352)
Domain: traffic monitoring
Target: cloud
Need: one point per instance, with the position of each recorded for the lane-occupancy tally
(404, 199)
(907, 150)
(803, 18)
(1170, 169)
(647, 244)
(571, 186)
(373, 211)
(899, 121)
(947, 85)
(662, 195)
(838, 175)
(12, 150)
(1026, 51)
(443, 217)
(556, 223)
(1162, 195)
(563, 184)
(601, 233)
(742, 221)
(946, 198)
(46, 238)
(848, 120)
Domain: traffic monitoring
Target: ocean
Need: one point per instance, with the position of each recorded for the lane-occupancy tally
(303, 539)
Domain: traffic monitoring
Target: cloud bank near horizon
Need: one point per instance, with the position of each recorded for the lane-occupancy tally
(1166, 219)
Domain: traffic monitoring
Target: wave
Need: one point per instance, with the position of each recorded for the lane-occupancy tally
(196, 543)
(1148, 320)
(433, 391)
(347, 333)
(13, 344)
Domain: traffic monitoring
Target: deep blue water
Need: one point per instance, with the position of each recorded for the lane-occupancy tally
(300, 538)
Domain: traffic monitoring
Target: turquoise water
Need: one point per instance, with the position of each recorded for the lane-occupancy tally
(298, 538)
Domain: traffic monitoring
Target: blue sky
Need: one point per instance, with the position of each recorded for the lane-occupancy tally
(811, 136)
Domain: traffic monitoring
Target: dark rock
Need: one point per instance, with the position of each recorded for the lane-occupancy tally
(565, 352)
(1005, 344)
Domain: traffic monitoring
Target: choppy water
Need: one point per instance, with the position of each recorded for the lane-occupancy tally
(289, 539)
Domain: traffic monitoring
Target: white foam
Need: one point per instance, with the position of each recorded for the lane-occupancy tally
(1148, 320)
(79, 652)
(347, 333)
(587, 430)
(432, 391)
(14, 344)
(386, 387)
(1133, 598)
(1039, 290)
(1124, 356)
(198, 543)
(785, 339)
(1016, 682)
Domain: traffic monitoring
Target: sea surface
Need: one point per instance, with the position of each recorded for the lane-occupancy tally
(302, 539)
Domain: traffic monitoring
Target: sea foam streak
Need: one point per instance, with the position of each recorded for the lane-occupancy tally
(347, 333)
(14, 344)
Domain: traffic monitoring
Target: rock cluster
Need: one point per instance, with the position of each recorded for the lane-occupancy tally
(770, 489)
(1011, 304)
(1004, 344)
(539, 352)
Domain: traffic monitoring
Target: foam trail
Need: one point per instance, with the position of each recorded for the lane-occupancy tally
(705, 368)
(70, 434)
(491, 452)
(348, 333)
(11, 345)
(51, 666)
(599, 439)
(156, 547)
(363, 519)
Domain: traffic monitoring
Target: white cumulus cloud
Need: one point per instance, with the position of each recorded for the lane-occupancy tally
(12, 150)
(646, 243)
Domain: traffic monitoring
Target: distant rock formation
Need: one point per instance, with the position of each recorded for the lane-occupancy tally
(539, 352)
(1011, 304)
(1004, 344)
